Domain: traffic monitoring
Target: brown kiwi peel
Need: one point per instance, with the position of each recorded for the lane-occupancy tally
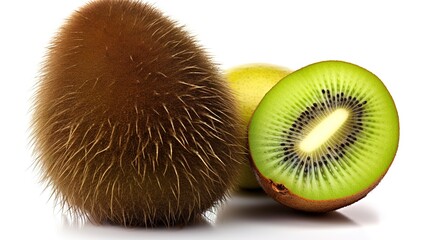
(282, 195)
(133, 124)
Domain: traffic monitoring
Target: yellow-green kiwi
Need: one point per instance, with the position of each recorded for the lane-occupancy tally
(133, 123)
(250, 82)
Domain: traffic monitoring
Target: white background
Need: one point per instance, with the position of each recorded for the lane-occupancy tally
(387, 37)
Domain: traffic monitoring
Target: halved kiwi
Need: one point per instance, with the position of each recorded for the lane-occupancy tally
(324, 136)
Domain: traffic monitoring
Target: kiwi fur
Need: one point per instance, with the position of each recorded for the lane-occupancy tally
(133, 123)
(338, 165)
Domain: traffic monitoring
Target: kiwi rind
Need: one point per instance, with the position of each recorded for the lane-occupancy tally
(133, 123)
(290, 196)
(281, 194)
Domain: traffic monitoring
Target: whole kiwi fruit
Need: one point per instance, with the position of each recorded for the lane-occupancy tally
(250, 82)
(324, 136)
(133, 123)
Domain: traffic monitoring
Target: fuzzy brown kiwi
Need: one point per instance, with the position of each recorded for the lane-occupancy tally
(133, 123)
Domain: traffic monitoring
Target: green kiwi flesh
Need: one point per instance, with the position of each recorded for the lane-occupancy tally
(324, 136)
(133, 124)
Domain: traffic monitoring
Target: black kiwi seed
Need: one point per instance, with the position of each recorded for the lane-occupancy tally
(355, 126)
(133, 123)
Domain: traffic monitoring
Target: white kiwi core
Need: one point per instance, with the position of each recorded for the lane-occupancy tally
(323, 131)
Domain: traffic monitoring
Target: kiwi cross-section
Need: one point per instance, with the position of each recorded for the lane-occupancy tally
(324, 136)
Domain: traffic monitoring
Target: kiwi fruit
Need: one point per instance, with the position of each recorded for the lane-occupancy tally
(250, 82)
(133, 123)
(324, 136)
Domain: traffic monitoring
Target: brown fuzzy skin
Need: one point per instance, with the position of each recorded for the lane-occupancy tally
(133, 124)
(281, 194)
